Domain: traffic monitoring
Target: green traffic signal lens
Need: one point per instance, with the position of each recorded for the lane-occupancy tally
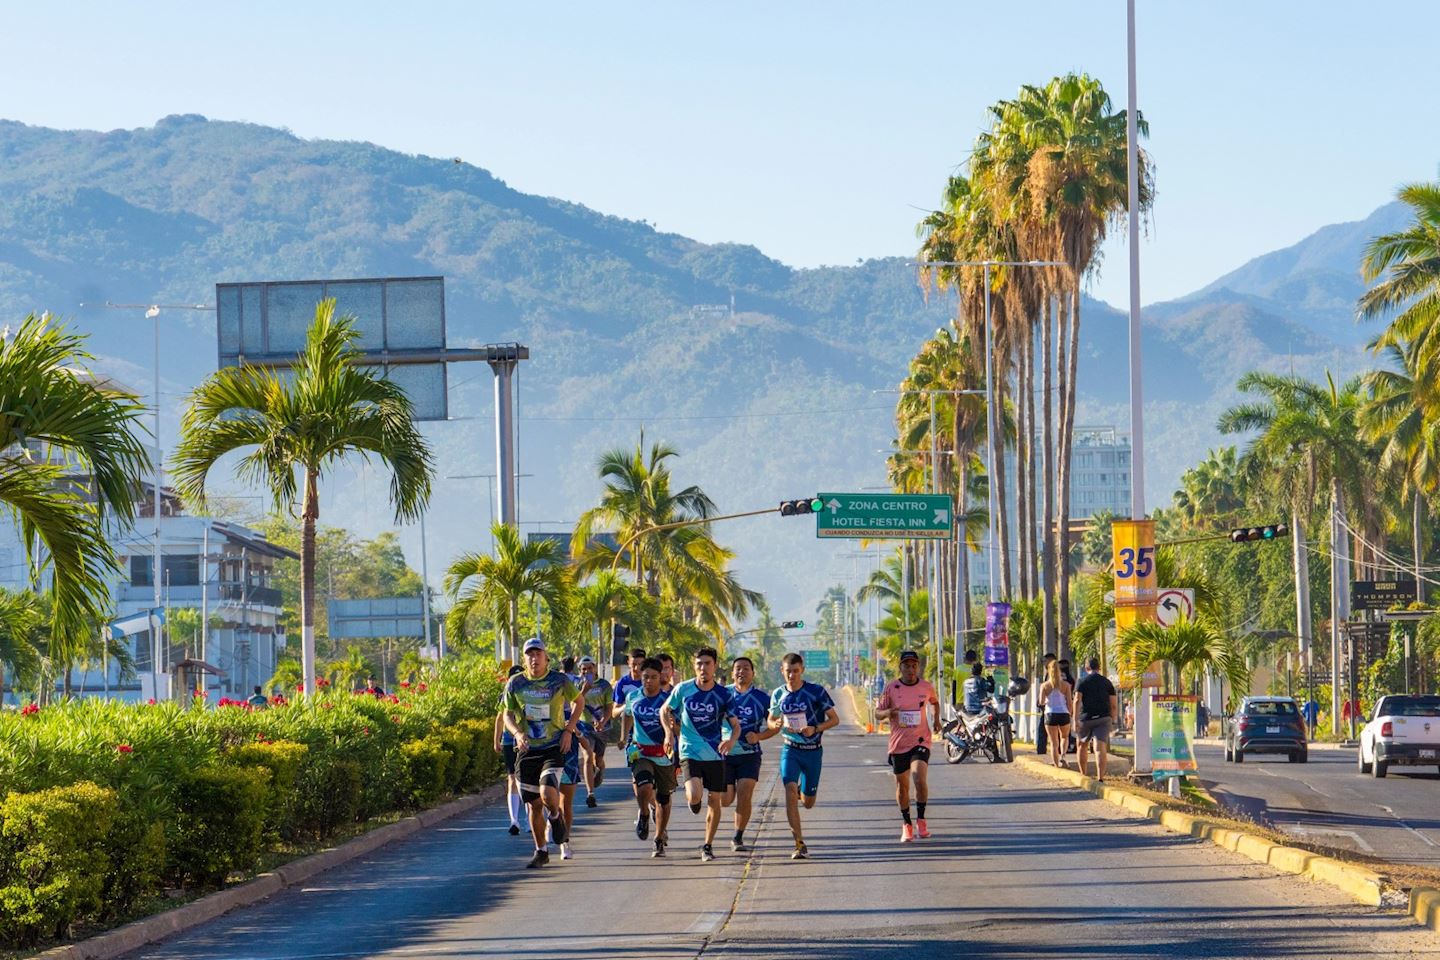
(1268, 533)
(816, 505)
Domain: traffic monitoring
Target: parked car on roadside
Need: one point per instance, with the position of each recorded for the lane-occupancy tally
(1266, 725)
(1404, 730)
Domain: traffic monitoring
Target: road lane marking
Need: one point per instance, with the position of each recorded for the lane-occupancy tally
(1306, 830)
(707, 923)
(1407, 826)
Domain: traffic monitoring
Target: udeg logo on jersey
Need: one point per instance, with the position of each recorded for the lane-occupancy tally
(702, 712)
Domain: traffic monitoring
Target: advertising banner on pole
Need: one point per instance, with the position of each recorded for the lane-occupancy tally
(997, 634)
(1172, 745)
(1135, 587)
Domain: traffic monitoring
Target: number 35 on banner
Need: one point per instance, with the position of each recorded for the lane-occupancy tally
(1134, 565)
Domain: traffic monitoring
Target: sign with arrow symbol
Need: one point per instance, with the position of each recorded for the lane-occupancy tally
(886, 516)
(1174, 603)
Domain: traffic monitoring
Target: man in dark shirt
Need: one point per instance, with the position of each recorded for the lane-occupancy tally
(1095, 708)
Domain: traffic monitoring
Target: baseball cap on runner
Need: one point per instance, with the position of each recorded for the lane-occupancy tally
(534, 643)
(587, 659)
(908, 655)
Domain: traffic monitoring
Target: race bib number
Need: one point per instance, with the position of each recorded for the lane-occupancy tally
(910, 718)
(796, 722)
(537, 712)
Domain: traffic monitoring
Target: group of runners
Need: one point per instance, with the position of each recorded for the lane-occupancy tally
(700, 735)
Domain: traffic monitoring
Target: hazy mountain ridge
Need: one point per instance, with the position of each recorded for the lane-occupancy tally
(775, 400)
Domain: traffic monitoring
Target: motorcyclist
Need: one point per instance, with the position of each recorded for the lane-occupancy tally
(973, 693)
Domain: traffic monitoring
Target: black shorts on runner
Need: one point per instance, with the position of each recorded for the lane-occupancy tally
(900, 762)
(710, 773)
(537, 767)
(597, 744)
(741, 766)
(507, 750)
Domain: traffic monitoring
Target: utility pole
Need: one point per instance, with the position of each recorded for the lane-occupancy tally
(504, 359)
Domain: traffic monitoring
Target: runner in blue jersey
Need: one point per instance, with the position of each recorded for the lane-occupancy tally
(623, 686)
(751, 707)
(695, 715)
(505, 746)
(594, 724)
(801, 712)
(650, 764)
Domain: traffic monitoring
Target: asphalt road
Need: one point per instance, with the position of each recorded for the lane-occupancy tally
(1327, 801)
(1019, 867)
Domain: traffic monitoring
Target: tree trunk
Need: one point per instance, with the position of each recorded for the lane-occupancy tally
(309, 516)
(1415, 531)
(962, 569)
(1047, 452)
(1023, 519)
(1067, 364)
(1029, 400)
(1002, 528)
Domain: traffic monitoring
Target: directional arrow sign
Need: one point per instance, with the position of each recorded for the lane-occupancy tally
(886, 516)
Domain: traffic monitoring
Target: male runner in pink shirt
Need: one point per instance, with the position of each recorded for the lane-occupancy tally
(903, 703)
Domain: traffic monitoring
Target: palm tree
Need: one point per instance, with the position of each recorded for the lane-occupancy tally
(604, 601)
(347, 670)
(288, 674)
(70, 455)
(1213, 491)
(297, 428)
(409, 666)
(1409, 261)
(21, 618)
(1182, 646)
(902, 629)
(494, 586)
(1097, 612)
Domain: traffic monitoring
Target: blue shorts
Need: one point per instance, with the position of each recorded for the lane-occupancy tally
(801, 767)
(571, 774)
(742, 766)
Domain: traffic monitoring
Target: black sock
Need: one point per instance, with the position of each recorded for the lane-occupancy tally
(739, 836)
(920, 809)
(707, 846)
(694, 808)
(905, 813)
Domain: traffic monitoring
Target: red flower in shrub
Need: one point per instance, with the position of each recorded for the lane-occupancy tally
(150, 702)
(300, 687)
(366, 731)
(394, 718)
(29, 710)
(124, 748)
(404, 684)
(278, 700)
(321, 683)
(394, 698)
(422, 688)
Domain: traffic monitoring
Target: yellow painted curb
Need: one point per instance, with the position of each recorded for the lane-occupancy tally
(1425, 906)
(1358, 882)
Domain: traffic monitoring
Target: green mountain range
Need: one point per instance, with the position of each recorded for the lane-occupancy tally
(763, 375)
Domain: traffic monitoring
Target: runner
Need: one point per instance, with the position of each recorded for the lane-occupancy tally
(697, 710)
(650, 765)
(535, 703)
(802, 712)
(593, 727)
(903, 703)
(667, 672)
(751, 707)
(623, 686)
(505, 746)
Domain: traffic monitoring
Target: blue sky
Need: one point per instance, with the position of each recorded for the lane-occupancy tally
(816, 131)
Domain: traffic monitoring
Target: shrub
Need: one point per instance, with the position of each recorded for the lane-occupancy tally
(52, 858)
(485, 763)
(219, 823)
(425, 764)
(458, 742)
(136, 849)
(283, 759)
(327, 796)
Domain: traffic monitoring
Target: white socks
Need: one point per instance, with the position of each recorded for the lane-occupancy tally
(515, 809)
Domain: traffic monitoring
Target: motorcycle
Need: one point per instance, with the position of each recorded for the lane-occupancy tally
(990, 732)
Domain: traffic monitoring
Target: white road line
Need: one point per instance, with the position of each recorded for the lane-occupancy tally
(707, 923)
(1407, 826)
(1305, 830)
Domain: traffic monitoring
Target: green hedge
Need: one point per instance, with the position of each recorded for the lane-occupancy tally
(107, 802)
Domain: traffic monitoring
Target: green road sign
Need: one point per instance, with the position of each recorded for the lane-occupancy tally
(816, 659)
(886, 516)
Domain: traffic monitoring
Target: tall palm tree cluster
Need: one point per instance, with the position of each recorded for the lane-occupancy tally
(1045, 182)
(660, 572)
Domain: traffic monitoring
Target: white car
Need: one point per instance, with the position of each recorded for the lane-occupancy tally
(1404, 731)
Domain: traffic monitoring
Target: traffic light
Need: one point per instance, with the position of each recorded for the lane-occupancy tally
(793, 508)
(793, 625)
(1271, 531)
(619, 634)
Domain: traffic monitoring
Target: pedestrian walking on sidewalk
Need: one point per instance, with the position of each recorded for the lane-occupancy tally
(1056, 695)
(1096, 706)
(1041, 738)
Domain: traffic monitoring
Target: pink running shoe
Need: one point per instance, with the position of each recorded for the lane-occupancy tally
(922, 830)
(907, 833)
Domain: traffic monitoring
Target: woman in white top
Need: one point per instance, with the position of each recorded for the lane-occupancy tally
(1055, 693)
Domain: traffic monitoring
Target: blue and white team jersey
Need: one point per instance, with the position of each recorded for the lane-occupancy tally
(702, 719)
(597, 705)
(507, 739)
(647, 733)
(752, 709)
(623, 686)
(798, 709)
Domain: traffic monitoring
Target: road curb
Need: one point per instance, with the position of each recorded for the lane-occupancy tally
(132, 936)
(1425, 907)
(1360, 883)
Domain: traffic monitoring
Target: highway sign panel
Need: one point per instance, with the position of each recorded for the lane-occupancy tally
(1380, 594)
(886, 516)
(816, 659)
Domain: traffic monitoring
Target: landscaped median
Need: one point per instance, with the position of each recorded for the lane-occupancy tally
(1361, 883)
(111, 811)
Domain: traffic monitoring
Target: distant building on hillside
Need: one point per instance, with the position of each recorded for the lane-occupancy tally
(1099, 472)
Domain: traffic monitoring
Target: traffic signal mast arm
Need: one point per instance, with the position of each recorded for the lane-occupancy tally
(1270, 531)
(698, 521)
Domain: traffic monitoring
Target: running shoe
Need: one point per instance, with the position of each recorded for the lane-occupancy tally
(907, 833)
(558, 833)
(642, 826)
(921, 830)
(565, 852)
(514, 829)
(541, 858)
(659, 850)
(706, 854)
(801, 851)
(738, 846)
(590, 800)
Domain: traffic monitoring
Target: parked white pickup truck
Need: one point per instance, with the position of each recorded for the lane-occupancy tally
(1404, 730)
